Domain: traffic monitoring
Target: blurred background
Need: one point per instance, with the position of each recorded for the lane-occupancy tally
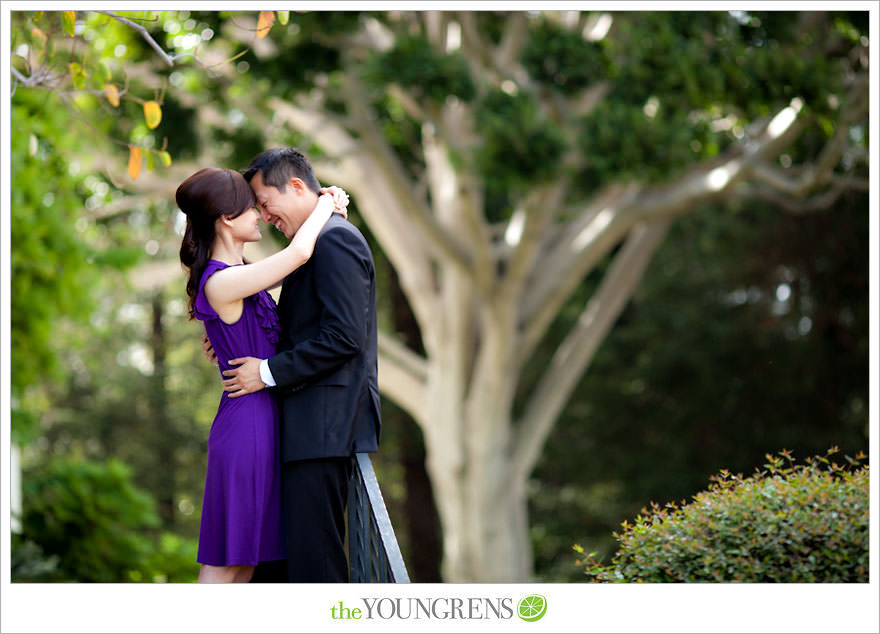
(616, 253)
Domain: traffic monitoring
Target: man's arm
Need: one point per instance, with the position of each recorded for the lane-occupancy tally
(343, 272)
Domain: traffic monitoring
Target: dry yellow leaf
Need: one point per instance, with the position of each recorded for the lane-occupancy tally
(153, 114)
(134, 161)
(112, 94)
(267, 18)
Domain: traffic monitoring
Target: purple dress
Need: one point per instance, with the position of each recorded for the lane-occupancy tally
(241, 508)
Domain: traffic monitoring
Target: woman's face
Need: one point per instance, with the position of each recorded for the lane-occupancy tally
(246, 226)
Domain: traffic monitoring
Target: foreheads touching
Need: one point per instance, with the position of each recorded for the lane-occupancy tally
(278, 165)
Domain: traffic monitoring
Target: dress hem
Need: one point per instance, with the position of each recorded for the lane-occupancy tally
(278, 558)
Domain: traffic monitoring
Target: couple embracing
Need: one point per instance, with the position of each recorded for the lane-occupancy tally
(300, 390)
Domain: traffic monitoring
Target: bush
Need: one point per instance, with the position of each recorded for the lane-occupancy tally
(86, 521)
(787, 523)
(30, 563)
(175, 560)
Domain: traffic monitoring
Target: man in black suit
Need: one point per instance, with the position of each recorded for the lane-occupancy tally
(325, 371)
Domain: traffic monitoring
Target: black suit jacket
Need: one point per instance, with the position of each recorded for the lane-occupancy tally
(326, 367)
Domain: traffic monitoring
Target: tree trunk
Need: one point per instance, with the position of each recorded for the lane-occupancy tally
(165, 438)
(422, 522)
(483, 509)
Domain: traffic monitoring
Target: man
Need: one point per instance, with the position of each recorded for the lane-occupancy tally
(325, 371)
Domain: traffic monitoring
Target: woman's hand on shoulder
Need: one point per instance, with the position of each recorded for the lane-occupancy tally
(340, 199)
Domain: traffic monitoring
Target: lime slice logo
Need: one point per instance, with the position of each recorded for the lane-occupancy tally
(532, 607)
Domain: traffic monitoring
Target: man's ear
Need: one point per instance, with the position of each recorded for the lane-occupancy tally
(297, 185)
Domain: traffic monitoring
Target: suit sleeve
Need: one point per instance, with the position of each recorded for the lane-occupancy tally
(343, 271)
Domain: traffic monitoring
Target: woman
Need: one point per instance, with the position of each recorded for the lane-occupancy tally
(241, 521)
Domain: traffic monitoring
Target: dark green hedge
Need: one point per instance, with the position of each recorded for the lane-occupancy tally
(786, 523)
(86, 521)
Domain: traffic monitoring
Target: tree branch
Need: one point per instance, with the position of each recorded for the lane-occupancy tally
(562, 265)
(566, 265)
(486, 59)
(573, 356)
(818, 173)
(125, 204)
(402, 376)
(516, 32)
(140, 29)
(818, 202)
(436, 237)
(525, 231)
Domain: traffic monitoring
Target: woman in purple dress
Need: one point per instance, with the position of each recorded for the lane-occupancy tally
(241, 520)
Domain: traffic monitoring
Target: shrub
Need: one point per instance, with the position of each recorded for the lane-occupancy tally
(786, 523)
(30, 563)
(86, 521)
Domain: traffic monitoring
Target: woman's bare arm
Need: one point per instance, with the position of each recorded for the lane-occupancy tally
(237, 282)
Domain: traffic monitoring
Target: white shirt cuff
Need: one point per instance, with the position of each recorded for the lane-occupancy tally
(266, 373)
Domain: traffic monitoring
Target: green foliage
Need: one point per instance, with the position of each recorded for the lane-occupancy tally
(413, 63)
(670, 55)
(787, 523)
(294, 41)
(30, 564)
(58, 257)
(174, 561)
(152, 412)
(562, 59)
(90, 517)
(520, 148)
(648, 141)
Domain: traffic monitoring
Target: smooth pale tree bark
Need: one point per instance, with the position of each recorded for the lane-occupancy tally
(484, 295)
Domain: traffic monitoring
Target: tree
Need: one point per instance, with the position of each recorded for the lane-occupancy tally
(500, 158)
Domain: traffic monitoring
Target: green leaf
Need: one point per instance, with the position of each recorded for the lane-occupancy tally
(104, 71)
(165, 157)
(78, 75)
(283, 16)
(96, 81)
(149, 161)
(68, 19)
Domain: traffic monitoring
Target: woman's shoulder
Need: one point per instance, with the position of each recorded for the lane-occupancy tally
(203, 309)
(212, 267)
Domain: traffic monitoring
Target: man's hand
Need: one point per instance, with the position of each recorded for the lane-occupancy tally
(245, 379)
(209, 351)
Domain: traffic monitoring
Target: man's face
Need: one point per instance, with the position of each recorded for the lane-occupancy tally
(285, 210)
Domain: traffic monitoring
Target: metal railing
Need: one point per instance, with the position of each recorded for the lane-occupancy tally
(374, 554)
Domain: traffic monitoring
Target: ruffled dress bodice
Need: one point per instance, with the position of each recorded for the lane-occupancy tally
(256, 332)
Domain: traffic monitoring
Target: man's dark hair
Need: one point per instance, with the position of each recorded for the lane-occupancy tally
(278, 165)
